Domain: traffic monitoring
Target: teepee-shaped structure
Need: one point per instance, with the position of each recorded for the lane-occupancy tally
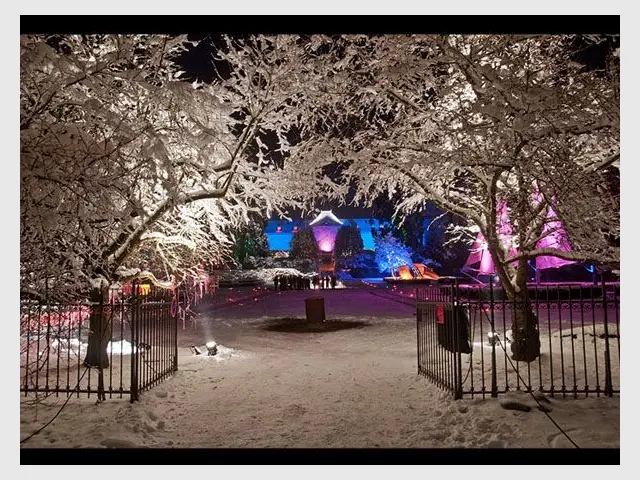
(480, 260)
(553, 236)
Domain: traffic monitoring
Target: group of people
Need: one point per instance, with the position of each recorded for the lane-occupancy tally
(291, 282)
(324, 281)
(297, 282)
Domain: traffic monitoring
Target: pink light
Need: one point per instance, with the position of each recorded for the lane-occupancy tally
(325, 246)
(480, 253)
(486, 263)
(554, 236)
(326, 237)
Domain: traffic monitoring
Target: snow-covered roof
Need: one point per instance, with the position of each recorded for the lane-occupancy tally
(326, 217)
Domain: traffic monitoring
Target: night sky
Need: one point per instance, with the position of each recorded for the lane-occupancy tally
(198, 61)
(198, 64)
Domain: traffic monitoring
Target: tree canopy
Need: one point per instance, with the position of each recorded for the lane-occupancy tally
(119, 157)
(468, 122)
(348, 242)
(124, 164)
(303, 244)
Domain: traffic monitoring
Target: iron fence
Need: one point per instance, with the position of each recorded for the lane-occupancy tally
(464, 339)
(116, 346)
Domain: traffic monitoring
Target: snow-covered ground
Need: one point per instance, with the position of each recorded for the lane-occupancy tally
(278, 382)
(564, 361)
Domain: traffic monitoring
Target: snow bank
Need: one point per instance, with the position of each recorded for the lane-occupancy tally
(264, 275)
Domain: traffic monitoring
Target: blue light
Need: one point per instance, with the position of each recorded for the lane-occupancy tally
(280, 241)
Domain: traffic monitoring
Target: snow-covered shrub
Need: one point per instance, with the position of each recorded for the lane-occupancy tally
(391, 253)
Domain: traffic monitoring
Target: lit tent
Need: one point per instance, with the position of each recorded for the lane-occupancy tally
(553, 236)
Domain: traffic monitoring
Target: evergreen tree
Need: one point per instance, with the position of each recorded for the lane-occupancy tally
(348, 243)
(251, 241)
(303, 244)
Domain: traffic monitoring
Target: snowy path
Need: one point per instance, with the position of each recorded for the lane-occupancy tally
(353, 387)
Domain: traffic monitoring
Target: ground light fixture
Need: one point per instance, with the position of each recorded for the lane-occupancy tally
(492, 338)
(212, 348)
(195, 350)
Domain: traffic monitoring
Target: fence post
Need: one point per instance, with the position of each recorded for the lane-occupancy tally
(457, 359)
(135, 349)
(608, 386)
(417, 329)
(494, 379)
(175, 336)
(103, 332)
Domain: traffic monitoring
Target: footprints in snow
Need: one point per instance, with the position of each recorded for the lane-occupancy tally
(558, 440)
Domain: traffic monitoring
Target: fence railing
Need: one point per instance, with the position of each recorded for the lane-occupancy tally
(464, 339)
(121, 345)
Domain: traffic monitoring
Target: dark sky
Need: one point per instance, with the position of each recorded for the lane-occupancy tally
(199, 64)
(198, 61)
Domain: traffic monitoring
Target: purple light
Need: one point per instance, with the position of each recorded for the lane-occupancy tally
(480, 251)
(480, 254)
(486, 263)
(325, 237)
(554, 237)
(325, 246)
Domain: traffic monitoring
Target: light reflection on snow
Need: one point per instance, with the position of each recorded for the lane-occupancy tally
(224, 353)
(121, 347)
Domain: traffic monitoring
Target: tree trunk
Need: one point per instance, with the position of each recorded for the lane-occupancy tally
(98, 330)
(525, 344)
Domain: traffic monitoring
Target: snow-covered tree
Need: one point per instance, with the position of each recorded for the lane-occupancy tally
(124, 167)
(120, 157)
(303, 245)
(391, 253)
(470, 122)
(348, 243)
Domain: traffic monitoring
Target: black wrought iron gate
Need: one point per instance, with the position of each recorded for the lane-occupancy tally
(464, 339)
(120, 345)
(437, 335)
(154, 332)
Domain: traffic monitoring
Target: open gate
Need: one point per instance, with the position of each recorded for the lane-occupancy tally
(464, 339)
(441, 336)
(112, 347)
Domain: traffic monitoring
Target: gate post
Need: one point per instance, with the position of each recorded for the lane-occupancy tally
(135, 349)
(494, 379)
(418, 330)
(457, 357)
(608, 385)
(103, 333)
(175, 335)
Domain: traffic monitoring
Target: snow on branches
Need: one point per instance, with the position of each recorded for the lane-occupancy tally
(472, 122)
(124, 164)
